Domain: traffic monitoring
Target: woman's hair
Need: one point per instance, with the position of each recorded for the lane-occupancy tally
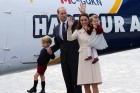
(46, 39)
(79, 26)
(93, 17)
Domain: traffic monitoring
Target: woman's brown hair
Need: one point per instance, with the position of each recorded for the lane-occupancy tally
(79, 26)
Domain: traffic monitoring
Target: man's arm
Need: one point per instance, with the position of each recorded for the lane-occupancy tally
(52, 56)
(56, 45)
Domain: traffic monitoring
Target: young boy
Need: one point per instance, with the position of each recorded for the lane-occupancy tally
(94, 22)
(42, 62)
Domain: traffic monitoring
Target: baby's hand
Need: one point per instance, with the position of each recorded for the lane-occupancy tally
(95, 26)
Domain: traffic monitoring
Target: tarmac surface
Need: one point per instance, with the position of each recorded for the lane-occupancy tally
(120, 74)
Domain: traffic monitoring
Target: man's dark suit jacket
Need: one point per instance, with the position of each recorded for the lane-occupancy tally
(69, 49)
(69, 60)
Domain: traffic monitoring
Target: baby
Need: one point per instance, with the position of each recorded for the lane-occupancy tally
(95, 26)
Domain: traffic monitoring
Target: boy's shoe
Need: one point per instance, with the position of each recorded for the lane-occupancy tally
(32, 90)
(95, 60)
(42, 91)
(88, 58)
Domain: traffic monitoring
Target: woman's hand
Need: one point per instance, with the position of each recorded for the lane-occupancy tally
(70, 22)
(82, 8)
(85, 27)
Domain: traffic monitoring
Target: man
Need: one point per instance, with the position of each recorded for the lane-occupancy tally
(69, 51)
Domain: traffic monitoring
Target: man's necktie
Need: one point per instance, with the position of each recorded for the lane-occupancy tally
(64, 32)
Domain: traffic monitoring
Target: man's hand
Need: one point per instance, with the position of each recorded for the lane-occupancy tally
(49, 50)
(70, 22)
(82, 8)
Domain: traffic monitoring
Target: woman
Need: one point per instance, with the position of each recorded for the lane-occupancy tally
(88, 73)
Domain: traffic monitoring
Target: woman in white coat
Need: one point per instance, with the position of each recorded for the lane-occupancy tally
(88, 74)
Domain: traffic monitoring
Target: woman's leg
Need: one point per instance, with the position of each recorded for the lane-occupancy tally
(95, 88)
(87, 88)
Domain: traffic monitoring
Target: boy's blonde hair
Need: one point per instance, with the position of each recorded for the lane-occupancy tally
(93, 17)
(46, 39)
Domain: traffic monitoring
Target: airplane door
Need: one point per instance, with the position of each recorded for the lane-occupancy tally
(3, 36)
(31, 45)
(11, 39)
(15, 31)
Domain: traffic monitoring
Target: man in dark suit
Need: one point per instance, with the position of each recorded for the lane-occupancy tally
(69, 52)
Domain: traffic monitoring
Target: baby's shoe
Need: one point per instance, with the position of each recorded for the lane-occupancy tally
(88, 58)
(95, 60)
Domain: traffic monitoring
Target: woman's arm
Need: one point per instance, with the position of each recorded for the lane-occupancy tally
(71, 36)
